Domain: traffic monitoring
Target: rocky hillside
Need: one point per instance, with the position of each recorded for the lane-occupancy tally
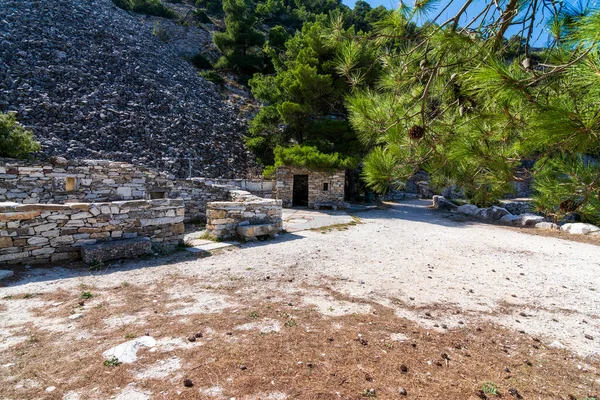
(92, 81)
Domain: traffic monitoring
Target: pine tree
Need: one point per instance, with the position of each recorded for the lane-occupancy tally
(241, 43)
(468, 106)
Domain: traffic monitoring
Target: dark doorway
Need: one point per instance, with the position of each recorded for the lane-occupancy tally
(300, 196)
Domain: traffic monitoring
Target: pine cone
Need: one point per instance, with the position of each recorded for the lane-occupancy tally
(416, 132)
(569, 205)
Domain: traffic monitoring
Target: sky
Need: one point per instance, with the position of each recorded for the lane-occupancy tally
(540, 36)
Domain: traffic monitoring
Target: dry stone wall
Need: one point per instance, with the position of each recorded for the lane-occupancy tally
(325, 188)
(62, 181)
(225, 217)
(44, 233)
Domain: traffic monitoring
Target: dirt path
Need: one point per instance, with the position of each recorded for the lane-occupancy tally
(440, 274)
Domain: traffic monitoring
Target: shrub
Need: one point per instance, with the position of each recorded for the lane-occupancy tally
(269, 172)
(201, 16)
(213, 77)
(15, 141)
(310, 157)
(200, 62)
(149, 7)
(213, 7)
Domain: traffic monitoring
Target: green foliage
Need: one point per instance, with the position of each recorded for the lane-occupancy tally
(269, 172)
(148, 7)
(15, 141)
(569, 184)
(112, 362)
(200, 61)
(489, 388)
(212, 7)
(240, 43)
(201, 16)
(469, 106)
(304, 99)
(310, 157)
(212, 76)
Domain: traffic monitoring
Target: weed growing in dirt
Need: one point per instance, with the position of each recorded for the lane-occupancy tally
(87, 295)
(290, 323)
(254, 315)
(130, 336)
(490, 388)
(112, 362)
(28, 295)
(370, 393)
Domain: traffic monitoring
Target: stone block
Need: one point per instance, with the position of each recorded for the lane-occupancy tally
(14, 257)
(107, 251)
(62, 241)
(5, 242)
(161, 221)
(5, 273)
(13, 216)
(43, 251)
(81, 215)
(178, 229)
(252, 231)
(45, 227)
(37, 241)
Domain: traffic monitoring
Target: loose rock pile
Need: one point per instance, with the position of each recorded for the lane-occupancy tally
(503, 216)
(92, 81)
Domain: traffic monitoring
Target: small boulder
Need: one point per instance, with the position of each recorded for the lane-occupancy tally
(127, 352)
(493, 213)
(579, 228)
(6, 273)
(468, 209)
(546, 225)
(441, 203)
(522, 220)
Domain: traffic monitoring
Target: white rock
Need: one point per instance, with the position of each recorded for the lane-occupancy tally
(132, 394)
(579, 228)
(75, 316)
(71, 395)
(127, 352)
(5, 273)
(556, 345)
(398, 337)
(522, 219)
(50, 389)
(468, 209)
(546, 225)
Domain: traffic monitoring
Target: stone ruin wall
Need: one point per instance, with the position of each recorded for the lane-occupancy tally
(317, 196)
(45, 233)
(244, 209)
(104, 181)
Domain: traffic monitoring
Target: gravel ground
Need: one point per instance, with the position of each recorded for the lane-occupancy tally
(431, 269)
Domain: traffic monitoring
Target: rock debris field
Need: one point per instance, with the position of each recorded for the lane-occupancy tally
(405, 303)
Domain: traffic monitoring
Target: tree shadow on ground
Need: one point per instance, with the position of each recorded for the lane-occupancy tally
(415, 211)
(43, 273)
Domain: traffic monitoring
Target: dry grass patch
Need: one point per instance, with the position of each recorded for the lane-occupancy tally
(307, 356)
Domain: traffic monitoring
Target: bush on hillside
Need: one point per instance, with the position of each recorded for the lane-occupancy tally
(200, 62)
(213, 77)
(148, 7)
(15, 141)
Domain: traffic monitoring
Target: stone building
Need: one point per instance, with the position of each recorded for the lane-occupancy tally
(301, 187)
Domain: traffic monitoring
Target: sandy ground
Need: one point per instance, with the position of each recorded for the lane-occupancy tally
(410, 253)
(438, 272)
